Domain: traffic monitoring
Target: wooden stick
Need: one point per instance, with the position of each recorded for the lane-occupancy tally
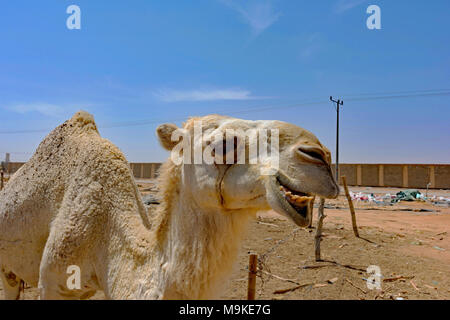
(398, 278)
(334, 264)
(414, 285)
(292, 289)
(252, 266)
(312, 212)
(280, 278)
(318, 236)
(351, 283)
(352, 209)
(1, 183)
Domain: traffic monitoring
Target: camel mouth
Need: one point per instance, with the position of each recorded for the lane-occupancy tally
(292, 203)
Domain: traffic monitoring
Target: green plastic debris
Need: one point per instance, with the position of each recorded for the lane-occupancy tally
(407, 195)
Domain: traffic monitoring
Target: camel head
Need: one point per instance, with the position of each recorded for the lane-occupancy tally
(220, 171)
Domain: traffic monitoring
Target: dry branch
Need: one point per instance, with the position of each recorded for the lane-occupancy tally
(252, 267)
(292, 289)
(351, 283)
(318, 236)
(398, 278)
(350, 204)
(333, 264)
(312, 212)
(279, 278)
(414, 285)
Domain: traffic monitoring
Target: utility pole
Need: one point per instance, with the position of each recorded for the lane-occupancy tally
(338, 104)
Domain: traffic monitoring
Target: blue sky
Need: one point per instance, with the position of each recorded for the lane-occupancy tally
(147, 62)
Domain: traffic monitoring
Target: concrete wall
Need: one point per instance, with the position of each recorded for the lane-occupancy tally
(397, 175)
(140, 170)
(367, 175)
(145, 170)
(393, 175)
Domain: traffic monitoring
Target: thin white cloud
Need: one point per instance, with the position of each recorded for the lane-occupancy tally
(259, 15)
(312, 45)
(46, 109)
(344, 5)
(168, 95)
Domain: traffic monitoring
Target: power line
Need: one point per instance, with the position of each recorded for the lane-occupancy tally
(396, 92)
(412, 94)
(400, 96)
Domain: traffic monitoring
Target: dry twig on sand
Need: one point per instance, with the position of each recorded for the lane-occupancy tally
(398, 278)
(352, 209)
(333, 264)
(318, 236)
(351, 283)
(280, 278)
(292, 289)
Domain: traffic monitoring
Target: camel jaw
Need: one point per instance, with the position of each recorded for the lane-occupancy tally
(293, 204)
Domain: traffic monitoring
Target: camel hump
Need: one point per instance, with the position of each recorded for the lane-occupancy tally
(83, 119)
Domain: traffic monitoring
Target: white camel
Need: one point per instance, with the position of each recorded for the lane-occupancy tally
(76, 203)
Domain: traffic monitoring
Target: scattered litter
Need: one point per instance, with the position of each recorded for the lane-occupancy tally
(439, 248)
(150, 199)
(151, 189)
(371, 198)
(405, 195)
(408, 195)
(440, 201)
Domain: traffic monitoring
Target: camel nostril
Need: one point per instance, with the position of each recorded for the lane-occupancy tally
(312, 153)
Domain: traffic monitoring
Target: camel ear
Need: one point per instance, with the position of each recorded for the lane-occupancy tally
(164, 133)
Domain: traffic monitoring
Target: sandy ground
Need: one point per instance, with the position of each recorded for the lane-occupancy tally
(411, 248)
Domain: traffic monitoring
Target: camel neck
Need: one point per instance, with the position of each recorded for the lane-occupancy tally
(200, 248)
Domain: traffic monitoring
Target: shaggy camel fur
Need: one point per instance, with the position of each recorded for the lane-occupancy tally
(76, 203)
